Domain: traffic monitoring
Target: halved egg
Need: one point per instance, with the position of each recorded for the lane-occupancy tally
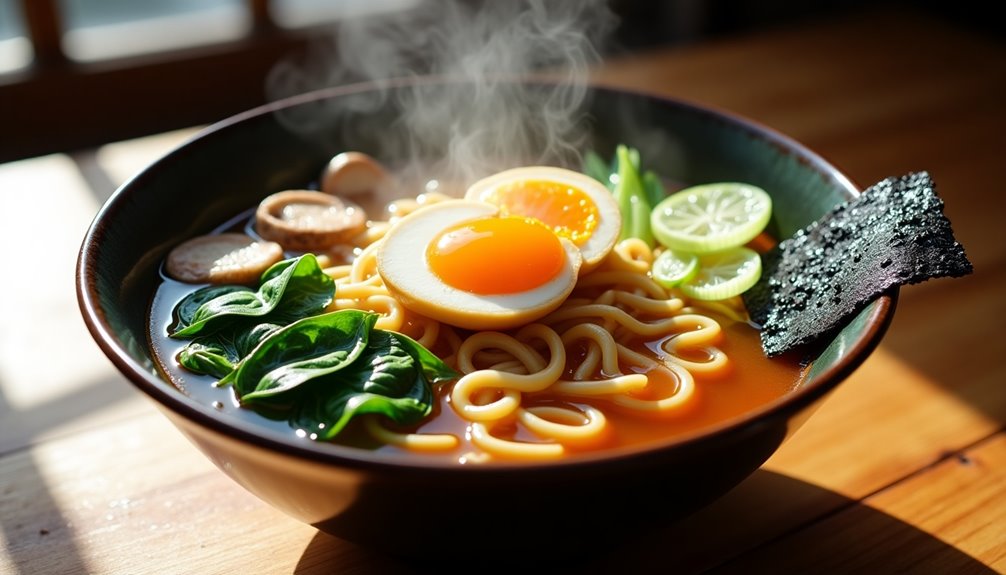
(575, 206)
(466, 264)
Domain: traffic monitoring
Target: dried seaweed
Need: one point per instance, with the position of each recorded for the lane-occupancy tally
(895, 233)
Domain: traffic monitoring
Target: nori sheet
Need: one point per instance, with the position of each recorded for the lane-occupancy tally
(894, 233)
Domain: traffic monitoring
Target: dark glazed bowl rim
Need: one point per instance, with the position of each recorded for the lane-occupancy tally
(880, 314)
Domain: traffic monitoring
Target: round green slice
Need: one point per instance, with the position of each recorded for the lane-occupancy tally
(672, 268)
(711, 217)
(724, 274)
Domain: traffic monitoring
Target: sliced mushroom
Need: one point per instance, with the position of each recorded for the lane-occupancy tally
(354, 173)
(222, 259)
(303, 220)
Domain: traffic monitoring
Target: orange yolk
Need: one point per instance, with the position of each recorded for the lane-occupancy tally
(568, 210)
(491, 256)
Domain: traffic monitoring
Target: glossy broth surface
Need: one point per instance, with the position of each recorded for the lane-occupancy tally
(752, 381)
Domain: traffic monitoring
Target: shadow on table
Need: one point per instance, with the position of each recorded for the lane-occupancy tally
(753, 529)
(919, 337)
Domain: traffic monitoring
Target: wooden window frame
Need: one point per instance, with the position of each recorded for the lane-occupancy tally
(58, 105)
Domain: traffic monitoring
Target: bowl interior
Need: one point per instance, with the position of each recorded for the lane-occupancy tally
(230, 166)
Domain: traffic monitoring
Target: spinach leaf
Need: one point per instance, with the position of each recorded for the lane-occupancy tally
(290, 289)
(433, 368)
(218, 354)
(210, 357)
(319, 371)
(302, 351)
(185, 311)
(384, 379)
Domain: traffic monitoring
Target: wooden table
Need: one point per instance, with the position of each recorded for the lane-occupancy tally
(903, 469)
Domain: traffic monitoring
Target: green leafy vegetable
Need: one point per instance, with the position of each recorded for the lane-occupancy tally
(307, 349)
(653, 188)
(185, 312)
(598, 169)
(633, 157)
(384, 379)
(211, 357)
(219, 353)
(631, 197)
(635, 190)
(433, 369)
(289, 290)
(288, 360)
(228, 321)
(324, 370)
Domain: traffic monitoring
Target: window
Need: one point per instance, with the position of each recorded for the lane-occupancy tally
(98, 30)
(95, 30)
(78, 73)
(15, 48)
(305, 13)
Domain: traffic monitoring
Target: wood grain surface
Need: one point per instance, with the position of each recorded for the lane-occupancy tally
(903, 469)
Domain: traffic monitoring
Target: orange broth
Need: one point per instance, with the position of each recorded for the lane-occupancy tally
(752, 381)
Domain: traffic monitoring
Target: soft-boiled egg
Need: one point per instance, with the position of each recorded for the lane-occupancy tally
(575, 206)
(468, 264)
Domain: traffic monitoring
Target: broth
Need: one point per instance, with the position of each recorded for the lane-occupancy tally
(752, 381)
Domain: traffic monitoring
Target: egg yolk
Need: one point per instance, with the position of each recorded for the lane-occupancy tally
(497, 255)
(568, 210)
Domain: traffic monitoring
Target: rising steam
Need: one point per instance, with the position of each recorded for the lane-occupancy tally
(488, 122)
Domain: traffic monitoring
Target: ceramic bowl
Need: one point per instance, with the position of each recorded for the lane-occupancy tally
(412, 508)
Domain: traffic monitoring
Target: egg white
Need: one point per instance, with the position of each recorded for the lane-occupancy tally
(609, 226)
(402, 264)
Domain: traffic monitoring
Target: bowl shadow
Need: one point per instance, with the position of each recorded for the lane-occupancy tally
(748, 530)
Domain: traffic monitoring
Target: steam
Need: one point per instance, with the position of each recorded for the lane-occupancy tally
(482, 123)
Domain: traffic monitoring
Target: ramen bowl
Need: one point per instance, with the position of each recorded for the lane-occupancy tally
(411, 506)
